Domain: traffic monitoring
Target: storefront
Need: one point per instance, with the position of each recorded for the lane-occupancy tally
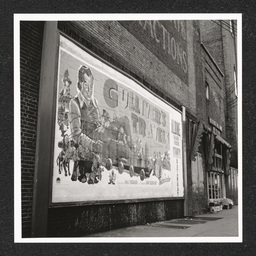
(218, 159)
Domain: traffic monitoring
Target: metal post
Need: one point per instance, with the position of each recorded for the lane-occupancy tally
(184, 148)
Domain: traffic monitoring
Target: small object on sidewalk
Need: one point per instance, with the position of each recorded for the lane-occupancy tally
(227, 203)
(215, 205)
(214, 209)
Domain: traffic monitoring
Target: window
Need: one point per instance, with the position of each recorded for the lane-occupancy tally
(217, 157)
(207, 94)
(216, 175)
(215, 185)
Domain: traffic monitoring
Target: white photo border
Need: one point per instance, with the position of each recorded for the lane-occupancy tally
(17, 138)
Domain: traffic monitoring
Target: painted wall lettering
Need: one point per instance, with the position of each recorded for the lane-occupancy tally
(166, 39)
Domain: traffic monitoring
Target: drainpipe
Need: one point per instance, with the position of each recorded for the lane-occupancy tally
(184, 149)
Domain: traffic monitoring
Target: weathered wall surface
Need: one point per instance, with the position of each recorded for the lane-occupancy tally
(199, 186)
(211, 36)
(221, 44)
(196, 178)
(215, 106)
(84, 220)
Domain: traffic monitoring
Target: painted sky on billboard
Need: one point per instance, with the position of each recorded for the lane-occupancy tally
(124, 143)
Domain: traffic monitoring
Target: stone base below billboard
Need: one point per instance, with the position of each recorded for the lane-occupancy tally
(77, 221)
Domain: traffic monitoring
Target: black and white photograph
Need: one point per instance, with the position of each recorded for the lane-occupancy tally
(129, 128)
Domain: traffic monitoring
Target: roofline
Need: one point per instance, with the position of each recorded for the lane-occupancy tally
(212, 59)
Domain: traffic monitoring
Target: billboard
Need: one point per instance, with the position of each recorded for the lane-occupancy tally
(114, 140)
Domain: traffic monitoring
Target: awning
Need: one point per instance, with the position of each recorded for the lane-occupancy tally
(220, 139)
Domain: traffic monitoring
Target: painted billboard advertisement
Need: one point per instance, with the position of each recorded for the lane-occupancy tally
(114, 140)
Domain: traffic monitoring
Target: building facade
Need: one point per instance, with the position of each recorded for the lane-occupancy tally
(158, 142)
(220, 38)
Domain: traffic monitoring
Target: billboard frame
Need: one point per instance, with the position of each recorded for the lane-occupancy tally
(52, 204)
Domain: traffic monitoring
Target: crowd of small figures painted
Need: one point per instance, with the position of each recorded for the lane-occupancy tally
(118, 151)
(87, 170)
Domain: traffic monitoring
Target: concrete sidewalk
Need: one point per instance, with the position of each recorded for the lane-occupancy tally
(220, 224)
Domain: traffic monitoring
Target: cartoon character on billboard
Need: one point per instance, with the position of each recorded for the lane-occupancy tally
(65, 91)
(96, 171)
(84, 119)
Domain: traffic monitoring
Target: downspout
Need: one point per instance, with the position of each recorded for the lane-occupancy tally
(184, 149)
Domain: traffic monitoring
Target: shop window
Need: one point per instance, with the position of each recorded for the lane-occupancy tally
(215, 176)
(215, 181)
(217, 157)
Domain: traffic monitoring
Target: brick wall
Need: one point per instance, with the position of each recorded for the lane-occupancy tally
(111, 41)
(211, 36)
(222, 46)
(31, 38)
(197, 202)
(215, 106)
